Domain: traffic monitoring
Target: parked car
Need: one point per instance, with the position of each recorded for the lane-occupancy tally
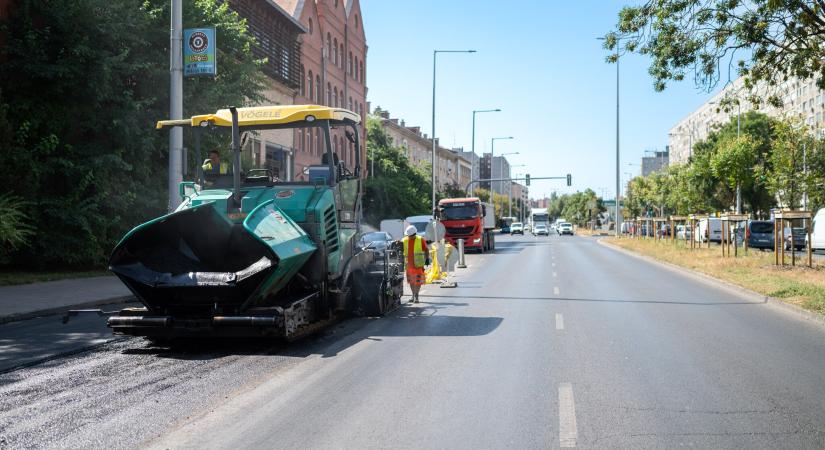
(377, 240)
(800, 236)
(517, 228)
(541, 229)
(683, 232)
(565, 228)
(506, 229)
(759, 234)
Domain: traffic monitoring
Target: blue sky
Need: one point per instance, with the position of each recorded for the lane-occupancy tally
(540, 62)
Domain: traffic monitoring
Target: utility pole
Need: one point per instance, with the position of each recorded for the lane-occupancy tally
(175, 102)
(738, 182)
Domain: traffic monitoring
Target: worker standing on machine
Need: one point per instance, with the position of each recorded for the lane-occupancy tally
(214, 165)
(415, 258)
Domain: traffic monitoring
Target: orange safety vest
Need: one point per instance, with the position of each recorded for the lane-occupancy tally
(419, 258)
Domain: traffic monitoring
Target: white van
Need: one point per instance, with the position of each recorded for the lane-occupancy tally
(715, 225)
(394, 227)
(818, 231)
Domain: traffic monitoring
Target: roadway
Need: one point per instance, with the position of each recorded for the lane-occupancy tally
(550, 342)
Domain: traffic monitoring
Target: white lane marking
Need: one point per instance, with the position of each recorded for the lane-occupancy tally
(568, 432)
(559, 321)
(554, 274)
(555, 290)
(554, 264)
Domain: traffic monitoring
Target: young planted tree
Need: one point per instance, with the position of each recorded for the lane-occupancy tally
(785, 176)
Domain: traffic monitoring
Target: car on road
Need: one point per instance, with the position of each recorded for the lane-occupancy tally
(565, 228)
(376, 240)
(517, 228)
(506, 229)
(541, 229)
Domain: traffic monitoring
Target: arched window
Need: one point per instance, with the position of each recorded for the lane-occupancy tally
(341, 54)
(335, 51)
(349, 105)
(329, 45)
(318, 93)
(349, 64)
(356, 22)
(310, 25)
(329, 94)
(335, 96)
(361, 69)
(303, 81)
(310, 91)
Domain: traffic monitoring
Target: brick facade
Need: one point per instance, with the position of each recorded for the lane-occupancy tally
(333, 73)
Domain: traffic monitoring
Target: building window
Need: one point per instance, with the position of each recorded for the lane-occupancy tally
(341, 55)
(310, 90)
(318, 93)
(349, 64)
(355, 68)
(335, 51)
(361, 69)
(329, 94)
(336, 3)
(303, 81)
(329, 45)
(310, 26)
(350, 104)
(335, 96)
(356, 21)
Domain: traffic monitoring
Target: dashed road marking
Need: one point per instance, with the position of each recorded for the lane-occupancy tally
(554, 274)
(554, 264)
(559, 321)
(555, 290)
(568, 432)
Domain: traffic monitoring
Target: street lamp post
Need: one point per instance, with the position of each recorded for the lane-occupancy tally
(473, 144)
(510, 191)
(618, 181)
(492, 159)
(435, 53)
(738, 183)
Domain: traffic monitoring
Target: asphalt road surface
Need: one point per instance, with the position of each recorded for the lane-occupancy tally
(550, 342)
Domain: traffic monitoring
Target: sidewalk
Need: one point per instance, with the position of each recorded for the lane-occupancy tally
(39, 299)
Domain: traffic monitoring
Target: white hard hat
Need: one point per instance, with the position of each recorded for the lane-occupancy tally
(410, 231)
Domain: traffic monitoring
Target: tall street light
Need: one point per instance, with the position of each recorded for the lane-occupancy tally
(510, 191)
(618, 220)
(435, 54)
(492, 159)
(473, 145)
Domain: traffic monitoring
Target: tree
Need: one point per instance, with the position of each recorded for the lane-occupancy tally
(82, 83)
(733, 164)
(785, 176)
(762, 40)
(397, 188)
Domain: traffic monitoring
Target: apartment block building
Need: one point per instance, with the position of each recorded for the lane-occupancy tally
(801, 99)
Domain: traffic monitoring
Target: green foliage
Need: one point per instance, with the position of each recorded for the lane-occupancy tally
(81, 87)
(766, 159)
(576, 208)
(764, 40)
(15, 229)
(397, 189)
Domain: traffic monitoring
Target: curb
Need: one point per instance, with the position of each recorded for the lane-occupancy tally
(62, 309)
(725, 285)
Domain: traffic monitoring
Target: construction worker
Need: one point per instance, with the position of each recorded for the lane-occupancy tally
(213, 165)
(415, 258)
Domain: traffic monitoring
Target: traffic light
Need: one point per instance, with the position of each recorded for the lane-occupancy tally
(527, 179)
(569, 180)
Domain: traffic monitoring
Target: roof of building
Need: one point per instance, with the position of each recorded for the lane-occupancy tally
(266, 115)
(292, 10)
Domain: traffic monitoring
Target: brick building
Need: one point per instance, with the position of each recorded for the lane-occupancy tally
(333, 73)
(452, 168)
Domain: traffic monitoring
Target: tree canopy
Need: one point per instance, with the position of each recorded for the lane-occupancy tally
(763, 40)
(81, 86)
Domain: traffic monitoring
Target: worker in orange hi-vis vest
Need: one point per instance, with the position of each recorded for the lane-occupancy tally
(415, 258)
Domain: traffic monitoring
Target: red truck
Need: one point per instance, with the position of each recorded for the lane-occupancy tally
(469, 219)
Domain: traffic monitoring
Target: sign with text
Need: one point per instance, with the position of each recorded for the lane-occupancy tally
(199, 52)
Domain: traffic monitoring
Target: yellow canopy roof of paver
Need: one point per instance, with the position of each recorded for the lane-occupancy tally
(267, 115)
